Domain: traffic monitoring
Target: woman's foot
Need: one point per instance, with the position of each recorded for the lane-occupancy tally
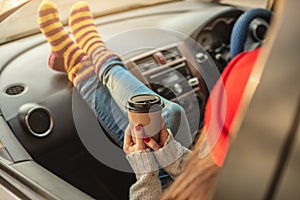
(83, 28)
(66, 56)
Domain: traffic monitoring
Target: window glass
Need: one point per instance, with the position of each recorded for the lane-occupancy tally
(247, 3)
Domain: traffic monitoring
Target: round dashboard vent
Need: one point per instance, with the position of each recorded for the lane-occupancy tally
(15, 89)
(36, 119)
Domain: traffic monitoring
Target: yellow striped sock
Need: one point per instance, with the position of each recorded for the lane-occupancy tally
(66, 56)
(83, 28)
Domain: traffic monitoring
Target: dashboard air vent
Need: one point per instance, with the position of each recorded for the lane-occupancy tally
(15, 89)
(171, 54)
(146, 63)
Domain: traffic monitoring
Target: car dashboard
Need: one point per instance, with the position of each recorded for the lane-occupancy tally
(177, 49)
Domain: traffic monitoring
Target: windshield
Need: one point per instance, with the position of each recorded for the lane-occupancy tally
(23, 22)
(247, 3)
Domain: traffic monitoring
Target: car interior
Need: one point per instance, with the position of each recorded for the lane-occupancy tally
(177, 48)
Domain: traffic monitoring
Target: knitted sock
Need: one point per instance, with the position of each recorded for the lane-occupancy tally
(83, 28)
(66, 56)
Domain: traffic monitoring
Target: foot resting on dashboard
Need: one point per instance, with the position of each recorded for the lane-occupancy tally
(83, 29)
(82, 26)
(66, 56)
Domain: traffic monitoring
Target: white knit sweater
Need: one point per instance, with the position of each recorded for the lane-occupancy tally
(171, 158)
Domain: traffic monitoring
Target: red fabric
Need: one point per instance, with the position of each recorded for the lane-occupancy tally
(224, 101)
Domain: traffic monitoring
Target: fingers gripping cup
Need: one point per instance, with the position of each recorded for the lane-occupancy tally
(146, 109)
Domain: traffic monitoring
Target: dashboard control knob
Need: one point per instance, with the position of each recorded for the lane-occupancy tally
(160, 90)
(178, 88)
(160, 57)
(193, 82)
(36, 119)
(201, 57)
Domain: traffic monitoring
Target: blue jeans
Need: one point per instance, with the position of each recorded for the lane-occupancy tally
(107, 94)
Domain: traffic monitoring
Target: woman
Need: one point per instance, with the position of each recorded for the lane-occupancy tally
(197, 178)
(99, 74)
(100, 77)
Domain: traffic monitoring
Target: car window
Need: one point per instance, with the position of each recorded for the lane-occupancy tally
(23, 22)
(247, 3)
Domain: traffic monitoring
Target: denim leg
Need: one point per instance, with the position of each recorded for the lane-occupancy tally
(107, 99)
(122, 85)
(87, 89)
(109, 115)
(111, 118)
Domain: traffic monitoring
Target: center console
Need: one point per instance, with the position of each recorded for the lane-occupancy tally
(168, 71)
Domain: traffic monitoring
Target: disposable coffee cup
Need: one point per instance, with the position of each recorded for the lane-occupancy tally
(146, 109)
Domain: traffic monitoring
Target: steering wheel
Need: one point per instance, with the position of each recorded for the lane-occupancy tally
(249, 30)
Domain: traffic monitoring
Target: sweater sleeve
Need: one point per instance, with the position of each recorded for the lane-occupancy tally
(172, 157)
(148, 185)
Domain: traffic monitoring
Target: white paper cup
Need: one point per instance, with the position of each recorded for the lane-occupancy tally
(146, 109)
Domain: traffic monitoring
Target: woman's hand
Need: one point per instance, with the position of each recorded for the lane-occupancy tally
(163, 136)
(129, 146)
(142, 142)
